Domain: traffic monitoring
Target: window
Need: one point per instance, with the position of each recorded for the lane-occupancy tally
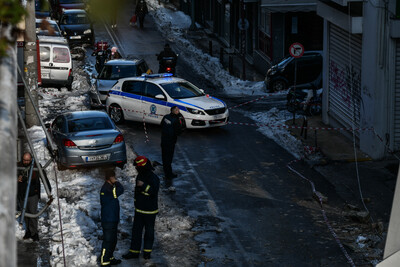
(61, 55)
(264, 33)
(44, 53)
(58, 124)
(181, 90)
(142, 68)
(89, 124)
(152, 90)
(133, 87)
(115, 72)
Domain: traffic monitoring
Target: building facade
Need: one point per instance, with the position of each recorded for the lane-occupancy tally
(362, 71)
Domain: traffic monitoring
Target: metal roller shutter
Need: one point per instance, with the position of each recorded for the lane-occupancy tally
(344, 77)
(397, 99)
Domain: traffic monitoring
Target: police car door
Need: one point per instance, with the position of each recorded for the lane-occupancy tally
(132, 92)
(154, 103)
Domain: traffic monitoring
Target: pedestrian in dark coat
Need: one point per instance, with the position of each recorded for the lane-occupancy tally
(146, 209)
(141, 11)
(31, 224)
(109, 194)
(172, 125)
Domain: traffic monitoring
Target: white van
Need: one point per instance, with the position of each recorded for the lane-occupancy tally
(55, 61)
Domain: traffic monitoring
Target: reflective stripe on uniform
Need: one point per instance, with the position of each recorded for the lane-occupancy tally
(134, 251)
(102, 258)
(146, 194)
(147, 212)
(102, 193)
(147, 188)
(115, 192)
(147, 250)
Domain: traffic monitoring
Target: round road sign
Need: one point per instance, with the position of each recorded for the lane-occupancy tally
(296, 50)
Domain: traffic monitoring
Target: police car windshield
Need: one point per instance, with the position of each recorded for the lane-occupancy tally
(181, 90)
(115, 72)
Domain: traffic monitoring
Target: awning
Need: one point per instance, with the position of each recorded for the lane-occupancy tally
(289, 5)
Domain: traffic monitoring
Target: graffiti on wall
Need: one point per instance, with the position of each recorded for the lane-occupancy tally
(346, 82)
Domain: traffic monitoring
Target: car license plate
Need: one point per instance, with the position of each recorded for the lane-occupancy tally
(97, 158)
(218, 117)
(75, 37)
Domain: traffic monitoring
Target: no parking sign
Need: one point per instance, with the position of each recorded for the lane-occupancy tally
(296, 50)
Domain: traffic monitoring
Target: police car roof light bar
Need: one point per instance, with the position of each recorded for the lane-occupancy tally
(157, 75)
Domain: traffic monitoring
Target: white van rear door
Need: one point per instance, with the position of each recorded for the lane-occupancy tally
(62, 64)
(45, 55)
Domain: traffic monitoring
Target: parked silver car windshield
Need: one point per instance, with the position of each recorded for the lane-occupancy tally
(89, 124)
(181, 90)
(115, 72)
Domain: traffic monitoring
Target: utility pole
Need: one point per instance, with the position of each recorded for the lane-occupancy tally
(8, 145)
(243, 40)
(30, 64)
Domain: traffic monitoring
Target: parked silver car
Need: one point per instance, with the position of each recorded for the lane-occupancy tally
(112, 71)
(87, 138)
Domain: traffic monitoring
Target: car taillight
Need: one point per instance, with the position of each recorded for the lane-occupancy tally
(70, 72)
(168, 69)
(119, 139)
(68, 143)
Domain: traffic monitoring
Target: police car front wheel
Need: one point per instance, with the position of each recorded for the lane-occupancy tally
(116, 114)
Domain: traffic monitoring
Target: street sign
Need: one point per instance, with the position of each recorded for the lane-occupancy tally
(243, 25)
(296, 50)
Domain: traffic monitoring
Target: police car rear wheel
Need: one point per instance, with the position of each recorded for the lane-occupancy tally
(116, 114)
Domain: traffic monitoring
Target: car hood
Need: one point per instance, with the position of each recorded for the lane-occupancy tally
(94, 138)
(203, 102)
(105, 85)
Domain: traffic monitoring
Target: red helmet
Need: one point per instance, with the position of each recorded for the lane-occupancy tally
(140, 161)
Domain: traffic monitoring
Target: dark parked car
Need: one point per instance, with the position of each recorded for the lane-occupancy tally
(76, 27)
(281, 76)
(87, 138)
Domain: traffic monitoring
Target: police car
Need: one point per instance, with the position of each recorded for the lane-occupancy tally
(149, 97)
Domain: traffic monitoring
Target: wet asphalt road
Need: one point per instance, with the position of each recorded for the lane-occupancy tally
(234, 180)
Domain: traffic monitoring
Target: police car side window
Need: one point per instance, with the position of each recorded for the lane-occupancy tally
(133, 87)
(152, 90)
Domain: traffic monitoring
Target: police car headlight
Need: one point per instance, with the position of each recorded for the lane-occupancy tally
(195, 111)
(88, 31)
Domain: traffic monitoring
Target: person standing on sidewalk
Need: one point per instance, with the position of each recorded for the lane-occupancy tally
(109, 194)
(146, 209)
(172, 125)
(141, 11)
(31, 224)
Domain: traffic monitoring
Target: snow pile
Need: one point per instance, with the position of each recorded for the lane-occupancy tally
(174, 26)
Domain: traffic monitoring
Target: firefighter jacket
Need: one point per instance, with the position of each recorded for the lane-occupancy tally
(146, 196)
(109, 201)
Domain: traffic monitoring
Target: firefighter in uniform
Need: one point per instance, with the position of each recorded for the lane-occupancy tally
(109, 194)
(146, 209)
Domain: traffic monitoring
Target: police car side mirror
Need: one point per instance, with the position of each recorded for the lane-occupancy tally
(160, 96)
